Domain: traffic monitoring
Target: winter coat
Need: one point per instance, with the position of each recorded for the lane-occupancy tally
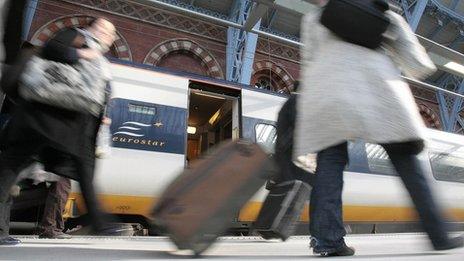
(62, 132)
(351, 92)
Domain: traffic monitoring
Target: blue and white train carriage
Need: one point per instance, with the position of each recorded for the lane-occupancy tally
(162, 120)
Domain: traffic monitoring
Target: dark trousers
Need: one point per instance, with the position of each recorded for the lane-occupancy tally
(326, 215)
(14, 158)
(52, 220)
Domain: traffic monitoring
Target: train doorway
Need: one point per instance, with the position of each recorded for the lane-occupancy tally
(213, 118)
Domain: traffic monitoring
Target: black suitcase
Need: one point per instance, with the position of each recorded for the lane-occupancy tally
(281, 209)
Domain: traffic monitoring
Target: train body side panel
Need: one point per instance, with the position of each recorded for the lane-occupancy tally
(450, 194)
(261, 105)
(149, 113)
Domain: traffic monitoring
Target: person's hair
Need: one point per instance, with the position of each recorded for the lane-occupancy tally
(382, 5)
(27, 45)
(296, 85)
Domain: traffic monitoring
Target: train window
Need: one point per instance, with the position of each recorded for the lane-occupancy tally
(447, 161)
(378, 160)
(266, 136)
(358, 158)
(148, 110)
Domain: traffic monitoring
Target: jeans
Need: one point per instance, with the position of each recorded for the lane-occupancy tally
(326, 215)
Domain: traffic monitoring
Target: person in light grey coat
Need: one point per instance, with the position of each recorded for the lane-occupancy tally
(354, 92)
(351, 92)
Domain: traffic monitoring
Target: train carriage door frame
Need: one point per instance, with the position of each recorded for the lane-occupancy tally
(213, 116)
(258, 108)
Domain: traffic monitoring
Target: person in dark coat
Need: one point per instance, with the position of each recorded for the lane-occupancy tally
(51, 225)
(54, 134)
(284, 143)
(11, 22)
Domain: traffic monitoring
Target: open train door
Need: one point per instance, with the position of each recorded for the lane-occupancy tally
(214, 116)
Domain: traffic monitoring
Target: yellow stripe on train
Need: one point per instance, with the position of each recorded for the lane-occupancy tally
(136, 205)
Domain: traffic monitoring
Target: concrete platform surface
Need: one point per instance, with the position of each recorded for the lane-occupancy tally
(368, 247)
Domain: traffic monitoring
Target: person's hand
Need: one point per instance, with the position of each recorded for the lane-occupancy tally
(88, 54)
(106, 121)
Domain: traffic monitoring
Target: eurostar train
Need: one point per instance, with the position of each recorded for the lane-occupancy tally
(162, 120)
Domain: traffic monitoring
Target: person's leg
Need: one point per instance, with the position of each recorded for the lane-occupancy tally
(85, 170)
(63, 188)
(52, 224)
(326, 219)
(11, 162)
(404, 159)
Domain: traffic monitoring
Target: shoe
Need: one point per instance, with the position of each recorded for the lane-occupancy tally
(455, 242)
(9, 241)
(55, 235)
(342, 251)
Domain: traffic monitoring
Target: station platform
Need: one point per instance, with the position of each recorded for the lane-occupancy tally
(368, 247)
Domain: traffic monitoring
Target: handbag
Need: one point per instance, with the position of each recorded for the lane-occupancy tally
(76, 87)
(360, 22)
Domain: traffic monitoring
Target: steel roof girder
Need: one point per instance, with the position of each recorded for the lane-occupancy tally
(257, 12)
(417, 14)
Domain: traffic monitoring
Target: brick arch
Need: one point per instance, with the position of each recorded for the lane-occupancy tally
(162, 50)
(430, 118)
(285, 79)
(120, 45)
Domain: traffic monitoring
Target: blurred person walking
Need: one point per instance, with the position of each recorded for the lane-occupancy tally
(51, 224)
(56, 134)
(285, 140)
(11, 22)
(351, 92)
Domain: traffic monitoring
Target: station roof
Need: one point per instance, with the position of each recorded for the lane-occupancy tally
(441, 26)
(442, 22)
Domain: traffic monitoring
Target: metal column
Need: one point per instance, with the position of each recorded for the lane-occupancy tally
(417, 14)
(31, 7)
(451, 106)
(241, 45)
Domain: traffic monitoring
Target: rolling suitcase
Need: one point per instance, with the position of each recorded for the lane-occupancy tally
(201, 203)
(282, 209)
